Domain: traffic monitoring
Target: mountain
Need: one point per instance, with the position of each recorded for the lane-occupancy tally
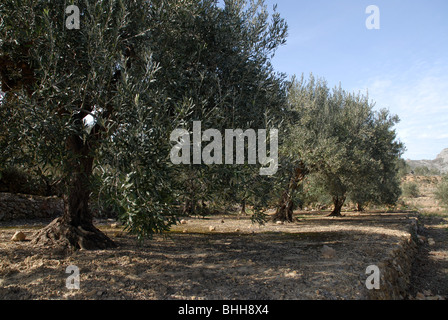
(440, 163)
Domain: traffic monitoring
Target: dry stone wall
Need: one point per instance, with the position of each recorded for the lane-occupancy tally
(396, 269)
(19, 206)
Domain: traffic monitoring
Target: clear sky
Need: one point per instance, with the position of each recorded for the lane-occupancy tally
(404, 64)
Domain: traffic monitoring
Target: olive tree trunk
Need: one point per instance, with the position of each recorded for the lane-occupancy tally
(75, 229)
(338, 202)
(285, 207)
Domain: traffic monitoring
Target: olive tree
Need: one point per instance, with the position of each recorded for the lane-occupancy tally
(347, 146)
(379, 181)
(98, 103)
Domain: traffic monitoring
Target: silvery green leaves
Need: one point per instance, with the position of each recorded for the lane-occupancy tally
(191, 76)
(135, 169)
(105, 97)
(350, 148)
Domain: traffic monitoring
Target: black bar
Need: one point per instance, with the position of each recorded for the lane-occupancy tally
(173, 309)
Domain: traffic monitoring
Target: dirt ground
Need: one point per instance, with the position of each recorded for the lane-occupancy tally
(222, 257)
(425, 202)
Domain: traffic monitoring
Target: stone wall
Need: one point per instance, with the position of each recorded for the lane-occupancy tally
(396, 269)
(19, 206)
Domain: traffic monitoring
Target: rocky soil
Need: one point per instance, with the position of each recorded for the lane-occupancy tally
(223, 257)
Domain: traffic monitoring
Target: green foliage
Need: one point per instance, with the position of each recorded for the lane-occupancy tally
(403, 168)
(441, 192)
(314, 192)
(139, 70)
(350, 148)
(15, 179)
(218, 58)
(425, 171)
(410, 189)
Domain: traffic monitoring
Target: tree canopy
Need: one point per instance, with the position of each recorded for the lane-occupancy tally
(99, 102)
(95, 106)
(339, 138)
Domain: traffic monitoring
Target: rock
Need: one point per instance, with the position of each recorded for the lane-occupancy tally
(237, 230)
(114, 225)
(91, 293)
(222, 221)
(427, 293)
(18, 236)
(420, 296)
(431, 242)
(183, 221)
(292, 274)
(211, 228)
(280, 222)
(421, 239)
(440, 163)
(328, 252)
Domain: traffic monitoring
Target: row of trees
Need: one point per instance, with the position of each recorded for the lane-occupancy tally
(94, 108)
(337, 140)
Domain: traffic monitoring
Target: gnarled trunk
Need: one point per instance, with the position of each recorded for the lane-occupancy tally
(286, 204)
(75, 229)
(359, 207)
(338, 203)
(192, 207)
(243, 208)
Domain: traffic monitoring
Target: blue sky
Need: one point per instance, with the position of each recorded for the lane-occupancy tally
(404, 64)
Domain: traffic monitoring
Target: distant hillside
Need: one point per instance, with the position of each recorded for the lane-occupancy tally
(440, 163)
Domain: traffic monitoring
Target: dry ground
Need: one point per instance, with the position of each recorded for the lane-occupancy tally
(237, 260)
(224, 257)
(425, 202)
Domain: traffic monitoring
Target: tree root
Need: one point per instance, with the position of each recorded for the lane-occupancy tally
(61, 234)
(335, 214)
(284, 213)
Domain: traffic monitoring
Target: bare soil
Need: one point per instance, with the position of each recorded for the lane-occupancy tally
(222, 257)
(425, 202)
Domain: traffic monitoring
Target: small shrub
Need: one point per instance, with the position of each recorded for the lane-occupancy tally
(17, 180)
(410, 190)
(441, 192)
(425, 171)
(14, 180)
